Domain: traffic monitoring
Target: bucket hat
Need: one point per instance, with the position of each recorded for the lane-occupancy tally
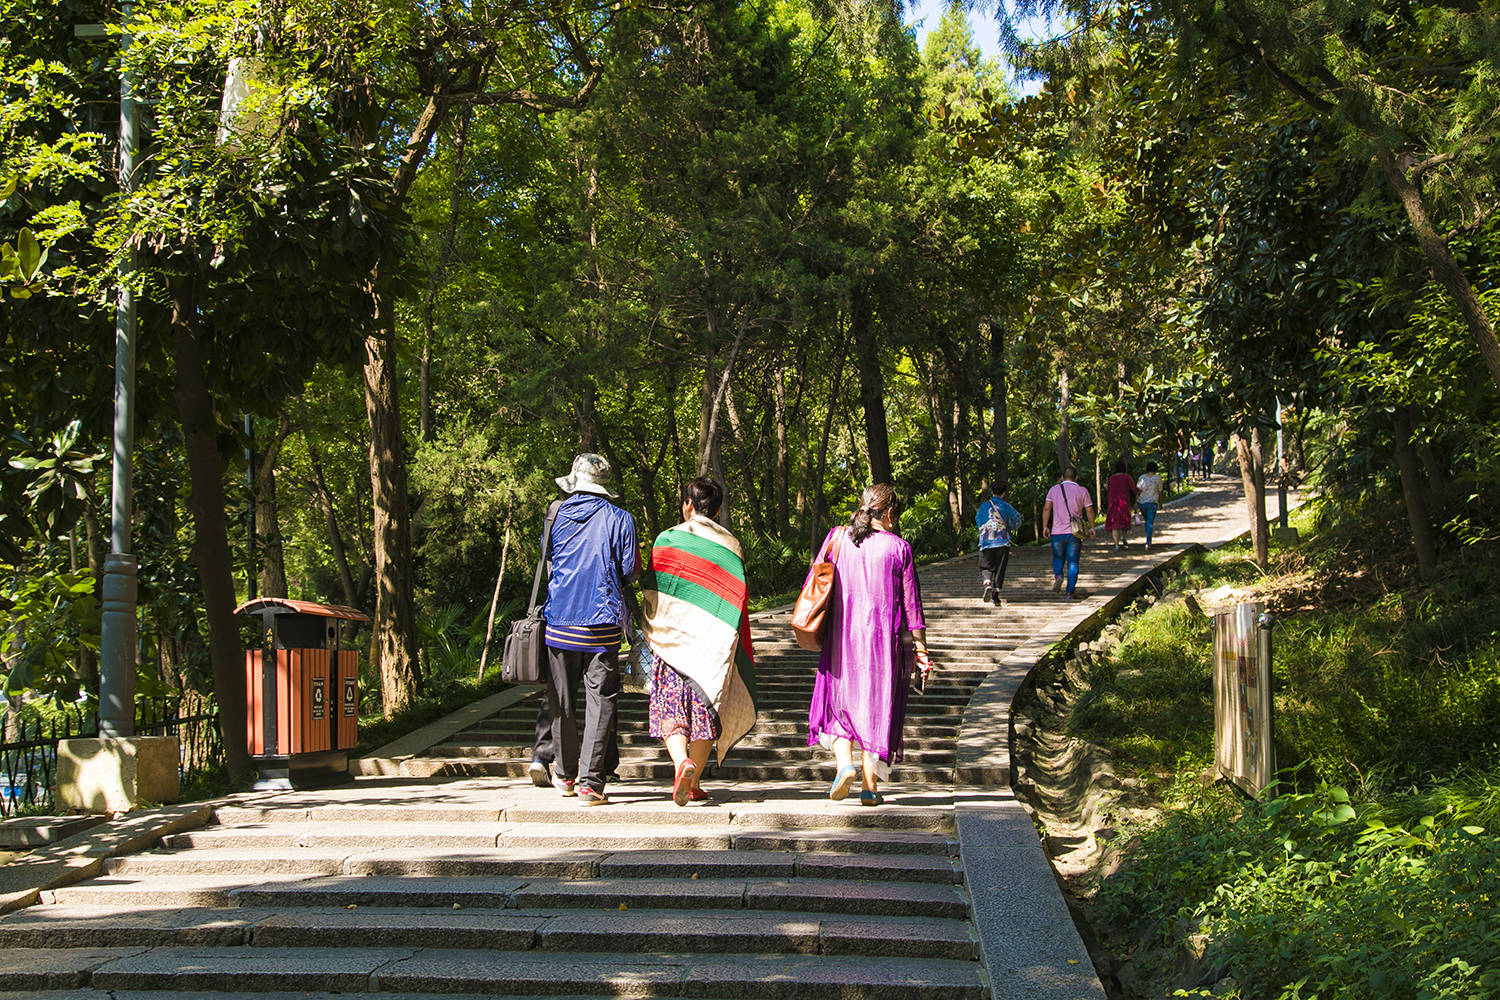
(590, 475)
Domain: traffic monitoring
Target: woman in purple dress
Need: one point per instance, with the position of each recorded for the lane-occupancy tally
(863, 673)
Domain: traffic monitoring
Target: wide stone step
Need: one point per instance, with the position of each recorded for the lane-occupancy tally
(368, 836)
(287, 837)
(809, 773)
(516, 742)
(374, 971)
(827, 895)
(522, 734)
(716, 931)
(818, 895)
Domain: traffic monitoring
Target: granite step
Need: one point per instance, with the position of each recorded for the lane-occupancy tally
(813, 773)
(717, 931)
(384, 971)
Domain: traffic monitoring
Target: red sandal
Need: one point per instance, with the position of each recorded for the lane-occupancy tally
(682, 782)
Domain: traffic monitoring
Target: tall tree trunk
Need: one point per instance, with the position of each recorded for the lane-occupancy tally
(814, 521)
(268, 520)
(753, 498)
(331, 522)
(1098, 470)
(393, 644)
(1064, 446)
(1447, 270)
(783, 471)
(871, 386)
(939, 391)
(1253, 475)
(1411, 492)
(957, 491)
(489, 628)
(715, 387)
(1440, 484)
(999, 403)
(206, 501)
(438, 275)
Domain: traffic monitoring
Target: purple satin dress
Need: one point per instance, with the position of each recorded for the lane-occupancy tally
(861, 687)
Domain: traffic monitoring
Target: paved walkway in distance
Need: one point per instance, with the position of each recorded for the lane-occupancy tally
(444, 871)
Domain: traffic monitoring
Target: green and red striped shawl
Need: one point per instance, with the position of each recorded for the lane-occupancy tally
(697, 619)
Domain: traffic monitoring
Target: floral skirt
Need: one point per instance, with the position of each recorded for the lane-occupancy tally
(677, 707)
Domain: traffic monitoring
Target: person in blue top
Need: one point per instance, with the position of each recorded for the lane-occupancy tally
(594, 561)
(996, 519)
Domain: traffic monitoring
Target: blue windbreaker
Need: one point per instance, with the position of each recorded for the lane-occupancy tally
(594, 556)
(996, 520)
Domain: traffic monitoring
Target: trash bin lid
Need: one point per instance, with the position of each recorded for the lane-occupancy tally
(287, 606)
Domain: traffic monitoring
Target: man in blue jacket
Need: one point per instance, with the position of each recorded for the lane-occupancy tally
(594, 560)
(996, 519)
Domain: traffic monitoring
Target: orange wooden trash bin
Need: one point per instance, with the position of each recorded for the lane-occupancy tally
(301, 692)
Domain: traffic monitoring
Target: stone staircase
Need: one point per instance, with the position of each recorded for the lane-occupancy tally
(966, 639)
(465, 879)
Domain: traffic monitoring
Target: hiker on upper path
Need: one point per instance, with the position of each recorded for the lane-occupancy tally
(1120, 489)
(996, 519)
(1149, 499)
(864, 669)
(1070, 512)
(697, 622)
(594, 562)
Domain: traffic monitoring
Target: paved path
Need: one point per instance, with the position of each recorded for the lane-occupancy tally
(446, 872)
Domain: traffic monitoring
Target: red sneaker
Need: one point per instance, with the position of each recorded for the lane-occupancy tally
(697, 795)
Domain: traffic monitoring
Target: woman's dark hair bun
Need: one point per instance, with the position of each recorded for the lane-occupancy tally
(705, 494)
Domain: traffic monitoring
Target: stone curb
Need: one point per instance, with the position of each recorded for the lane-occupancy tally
(82, 855)
(393, 758)
(1028, 942)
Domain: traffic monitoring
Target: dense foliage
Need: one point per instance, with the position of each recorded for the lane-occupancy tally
(427, 254)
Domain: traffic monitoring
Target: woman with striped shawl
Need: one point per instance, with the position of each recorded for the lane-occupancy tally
(698, 626)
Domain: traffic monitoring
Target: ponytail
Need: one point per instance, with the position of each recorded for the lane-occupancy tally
(877, 502)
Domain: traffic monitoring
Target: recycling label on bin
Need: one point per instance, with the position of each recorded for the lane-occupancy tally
(319, 697)
(351, 696)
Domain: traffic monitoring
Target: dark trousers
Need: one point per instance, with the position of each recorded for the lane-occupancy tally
(992, 563)
(545, 750)
(587, 751)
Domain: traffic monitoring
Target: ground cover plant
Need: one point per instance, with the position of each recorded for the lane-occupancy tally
(1375, 870)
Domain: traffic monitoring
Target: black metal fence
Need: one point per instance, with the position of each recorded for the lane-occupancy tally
(28, 753)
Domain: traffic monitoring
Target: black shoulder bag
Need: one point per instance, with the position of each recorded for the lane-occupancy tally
(524, 660)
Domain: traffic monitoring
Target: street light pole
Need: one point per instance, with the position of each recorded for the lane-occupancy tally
(118, 639)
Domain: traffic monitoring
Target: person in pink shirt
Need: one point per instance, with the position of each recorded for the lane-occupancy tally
(1066, 501)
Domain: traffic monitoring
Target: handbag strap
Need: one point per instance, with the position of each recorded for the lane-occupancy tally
(833, 550)
(536, 582)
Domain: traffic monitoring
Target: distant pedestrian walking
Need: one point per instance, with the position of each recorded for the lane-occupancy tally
(996, 519)
(1120, 492)
(1208, 457)
(1068, 506)
(594, 562)
(864, 670)
(697, 623)
(1149, 499)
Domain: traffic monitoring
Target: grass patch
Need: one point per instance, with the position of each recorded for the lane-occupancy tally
(1376, 871)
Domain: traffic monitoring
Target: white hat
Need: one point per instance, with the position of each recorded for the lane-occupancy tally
(590, 474)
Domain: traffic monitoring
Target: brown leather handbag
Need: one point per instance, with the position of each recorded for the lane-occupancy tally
(810, 613)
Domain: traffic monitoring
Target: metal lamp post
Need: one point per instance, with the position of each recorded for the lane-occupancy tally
(118, 640)
(117, 770)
